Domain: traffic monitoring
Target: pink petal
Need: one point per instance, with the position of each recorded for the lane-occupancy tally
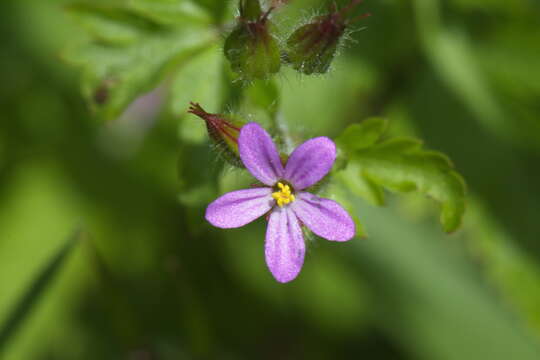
(324, 217)
(310, 162)
(259, 154)
(239, 208)
(284, 248)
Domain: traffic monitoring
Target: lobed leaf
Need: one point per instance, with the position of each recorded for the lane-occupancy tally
(400, 165)
(360, 184)
(110, 25)
(365, 134)
(129, 63)
(171, 12)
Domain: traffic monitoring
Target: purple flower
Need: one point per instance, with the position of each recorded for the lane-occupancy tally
(290, 207)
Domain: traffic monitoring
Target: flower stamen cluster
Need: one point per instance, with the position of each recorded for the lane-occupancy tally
(284, 195)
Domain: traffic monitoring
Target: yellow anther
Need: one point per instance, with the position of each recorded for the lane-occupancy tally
(284, 195)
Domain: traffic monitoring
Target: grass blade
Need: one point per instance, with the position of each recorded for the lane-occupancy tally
(36, 289)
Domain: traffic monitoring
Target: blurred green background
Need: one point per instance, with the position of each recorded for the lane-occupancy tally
(147, 278)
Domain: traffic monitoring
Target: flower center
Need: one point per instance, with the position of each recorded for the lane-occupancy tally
(283, 195)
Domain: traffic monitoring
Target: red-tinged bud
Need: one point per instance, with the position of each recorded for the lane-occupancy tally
(312, 47)
(223, 130)
(251, 48)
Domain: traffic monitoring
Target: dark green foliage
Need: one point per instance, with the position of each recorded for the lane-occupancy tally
(131, 54)
(400, 164)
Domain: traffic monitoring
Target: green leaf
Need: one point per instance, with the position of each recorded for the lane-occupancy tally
(110, 25)
(401, 165)
(113, 75)
(36, 290)
(171, 12)
(365, 134)
(360, 184)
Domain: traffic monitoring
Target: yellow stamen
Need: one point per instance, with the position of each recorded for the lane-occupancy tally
(284, 195)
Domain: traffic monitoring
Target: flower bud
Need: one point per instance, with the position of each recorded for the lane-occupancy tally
(312, 47)
(251, 48)
(223, 130)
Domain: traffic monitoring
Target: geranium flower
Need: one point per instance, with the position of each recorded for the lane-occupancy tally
(284, 198)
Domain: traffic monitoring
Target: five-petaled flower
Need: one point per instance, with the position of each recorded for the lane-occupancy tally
(283, 196)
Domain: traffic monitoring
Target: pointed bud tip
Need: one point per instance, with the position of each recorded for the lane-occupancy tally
(223, 131)
(196, 109)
